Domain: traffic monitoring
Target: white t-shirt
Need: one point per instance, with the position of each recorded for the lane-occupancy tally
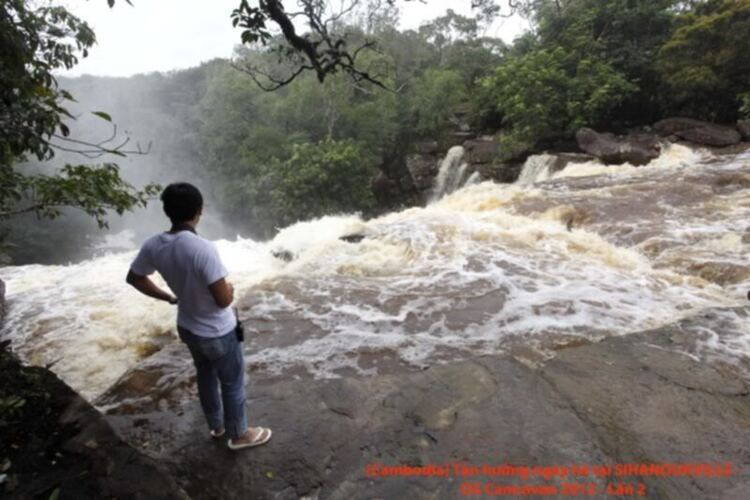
(188, 263)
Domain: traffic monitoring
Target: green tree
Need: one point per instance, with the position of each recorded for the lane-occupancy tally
(584, 63)
(706, 62)
(437, 95)
(624, 34)
(318, 179)
(547, 94)
(249, 137)
(35, 41)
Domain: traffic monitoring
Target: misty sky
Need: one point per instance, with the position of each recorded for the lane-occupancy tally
(160, 35)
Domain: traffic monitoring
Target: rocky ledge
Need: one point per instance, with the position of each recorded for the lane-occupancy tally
(483, 153)
(54, 445)
(639, 399)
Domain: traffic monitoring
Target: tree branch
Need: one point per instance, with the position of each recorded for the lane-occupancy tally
(98, 149)
(19, 211)
(322, 51)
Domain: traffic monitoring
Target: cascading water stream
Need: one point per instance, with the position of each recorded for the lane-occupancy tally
(452, 174)
(536, 169)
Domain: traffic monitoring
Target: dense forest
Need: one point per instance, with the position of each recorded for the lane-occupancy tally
(310, 148)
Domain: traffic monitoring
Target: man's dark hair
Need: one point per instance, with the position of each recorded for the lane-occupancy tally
(182, 201)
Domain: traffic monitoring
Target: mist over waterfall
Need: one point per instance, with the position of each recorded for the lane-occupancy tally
(149, 113)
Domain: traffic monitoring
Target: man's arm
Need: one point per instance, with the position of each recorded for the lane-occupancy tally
(222, 292)
(147, 287)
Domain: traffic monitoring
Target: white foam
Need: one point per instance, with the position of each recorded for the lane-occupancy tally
(675, 156)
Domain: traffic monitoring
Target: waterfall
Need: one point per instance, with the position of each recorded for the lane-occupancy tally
(474, 178)
(451, 175)
(536, 169)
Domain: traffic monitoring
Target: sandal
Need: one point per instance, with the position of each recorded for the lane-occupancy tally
(262, 437)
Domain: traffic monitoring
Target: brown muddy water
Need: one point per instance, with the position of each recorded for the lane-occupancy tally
(561, 258)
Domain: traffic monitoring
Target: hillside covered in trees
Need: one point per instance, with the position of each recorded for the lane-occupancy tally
(307, 149)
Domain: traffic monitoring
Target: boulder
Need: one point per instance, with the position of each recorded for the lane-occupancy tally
(2, 301)
(384, 188)
(698, 132)
(422, 169)
(636, 149)
(457, 138)
(506, 173)
(482, 150)
(282, 254)
(562, 160)
(426, 147)
(744, 127)
(716, 136)
(353, 238)
(671, 126)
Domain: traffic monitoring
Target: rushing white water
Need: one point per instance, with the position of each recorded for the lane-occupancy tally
(536, 169)
(118, 242)
(674, 157)
(452, 173)
(488, 268)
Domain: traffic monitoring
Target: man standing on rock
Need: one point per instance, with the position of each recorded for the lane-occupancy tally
(194, 272)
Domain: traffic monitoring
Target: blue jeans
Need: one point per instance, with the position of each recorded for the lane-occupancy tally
(219, 360)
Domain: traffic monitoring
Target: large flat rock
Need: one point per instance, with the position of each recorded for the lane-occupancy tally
(633, 399)
(648, 401)
(489, 410)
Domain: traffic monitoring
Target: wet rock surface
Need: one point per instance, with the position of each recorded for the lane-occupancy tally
(500, 172)
(562, 160)
(744, 128)
(641, 398)
(53, 444)
(636, 149)
(2, 300)
(484, 149)
(422, 168)
(698, 132)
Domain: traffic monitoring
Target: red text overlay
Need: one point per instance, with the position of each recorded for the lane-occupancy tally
(551, 480)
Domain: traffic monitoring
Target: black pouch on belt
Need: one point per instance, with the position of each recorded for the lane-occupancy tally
(239, 330)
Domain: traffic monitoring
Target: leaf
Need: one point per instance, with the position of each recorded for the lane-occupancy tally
(111, 3)
(102, 115)
(65, 130)
(55, 494)
(67, 95)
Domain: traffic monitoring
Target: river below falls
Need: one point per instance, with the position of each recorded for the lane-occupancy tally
(564, 258)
